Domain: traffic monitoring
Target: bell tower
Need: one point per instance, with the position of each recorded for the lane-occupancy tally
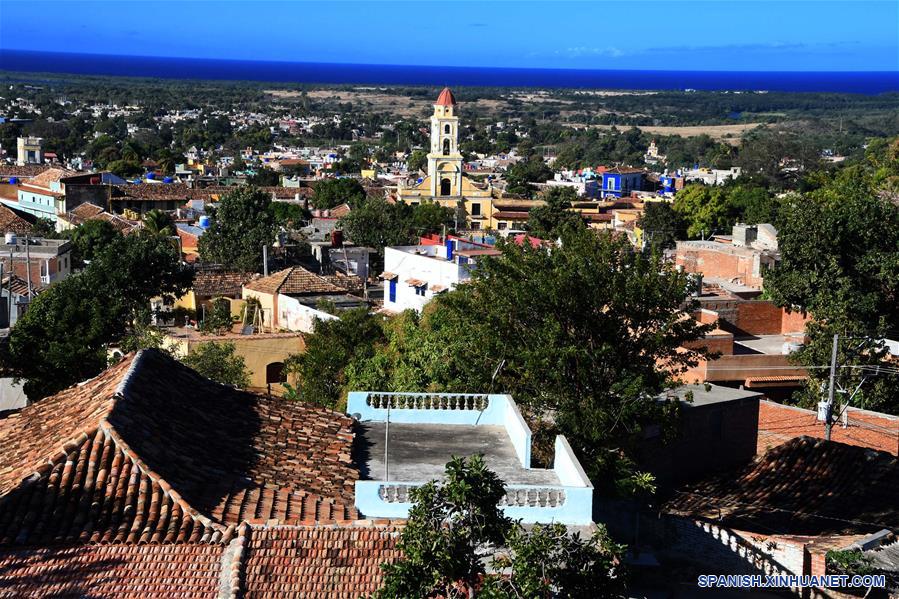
(444, 159)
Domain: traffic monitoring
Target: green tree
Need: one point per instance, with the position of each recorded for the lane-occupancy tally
(219, 362)
(333, 344)
(662, 226)
(840, 262)
(417, 161)
(240, 225)
(430, 217)
(333, 192)
(89, 239)
(62, 337)
(580, 332)
(156, 222)
(548, 221)
(456, 524)
(289, 215)
(520, 175)
(704, 209)
(264, 177)
(44, 228)
(218, 316)
(125, 168)
(377, 223)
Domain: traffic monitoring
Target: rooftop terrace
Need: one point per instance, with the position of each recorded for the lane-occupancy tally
(406, 439)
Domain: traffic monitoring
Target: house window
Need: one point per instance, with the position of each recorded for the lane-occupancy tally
(476, 210)
(475, 226)
(501, 226)
(420, 290)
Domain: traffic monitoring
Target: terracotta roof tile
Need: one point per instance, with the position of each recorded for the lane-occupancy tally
(294, 281)
(27, 170)
(134, 571)
(805, 486)
(51, 175)
(214, 451)
(15, 221)
(316, 561)
(220, 281)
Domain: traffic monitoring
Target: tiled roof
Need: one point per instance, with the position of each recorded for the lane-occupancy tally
(805, 486)
(316, 561)
(87, 211)
(15, 221)
(340, 211)
(27, 170)
(159, 192)
(19, 285)
(118, 570)
(350, 283)
(294, 281)
(40, 190)
(51, 175)
(212, 452)
(446, 98)
(150, 481)
(209, 281)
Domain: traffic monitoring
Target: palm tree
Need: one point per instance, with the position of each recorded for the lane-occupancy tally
(158, 223)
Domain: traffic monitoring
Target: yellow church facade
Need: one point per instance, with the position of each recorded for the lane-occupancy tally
(446, 183)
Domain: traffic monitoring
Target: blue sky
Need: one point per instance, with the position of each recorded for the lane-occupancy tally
(810, 35)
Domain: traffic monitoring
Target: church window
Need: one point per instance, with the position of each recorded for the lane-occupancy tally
(446, 147)
(446, 128)
(445, 187)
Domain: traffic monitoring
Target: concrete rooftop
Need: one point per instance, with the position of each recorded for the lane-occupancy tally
(419, 452)
(760, 344)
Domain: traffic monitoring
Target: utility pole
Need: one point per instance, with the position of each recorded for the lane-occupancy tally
(28, 265)
(265, 260)
(828, 423)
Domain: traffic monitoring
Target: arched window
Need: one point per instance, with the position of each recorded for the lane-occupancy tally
(445, 187)
(446, 128)
(446, 147)
(274, 373)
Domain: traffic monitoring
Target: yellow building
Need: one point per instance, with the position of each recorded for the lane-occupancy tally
(446, 182)
(263, 353)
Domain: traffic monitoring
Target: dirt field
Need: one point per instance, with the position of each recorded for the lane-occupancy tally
(725, 133)
(399, 105)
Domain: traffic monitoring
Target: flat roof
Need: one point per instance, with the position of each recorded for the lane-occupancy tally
(715, 394)
(763, 344)
(419, 452)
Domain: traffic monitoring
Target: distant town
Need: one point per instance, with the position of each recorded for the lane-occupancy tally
(346, 341)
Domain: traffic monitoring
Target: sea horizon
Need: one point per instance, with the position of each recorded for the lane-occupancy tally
(858, 82)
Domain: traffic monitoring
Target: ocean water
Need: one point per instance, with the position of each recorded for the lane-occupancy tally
(307, 72)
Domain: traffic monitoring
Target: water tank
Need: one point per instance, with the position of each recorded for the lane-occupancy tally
(204, 222)
(151, 176)
(11, 238)
(168, 180)
(790, 346)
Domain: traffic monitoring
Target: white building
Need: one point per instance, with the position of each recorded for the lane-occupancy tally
(413, 274)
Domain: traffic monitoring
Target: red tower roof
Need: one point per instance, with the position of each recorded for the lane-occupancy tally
(446, 98)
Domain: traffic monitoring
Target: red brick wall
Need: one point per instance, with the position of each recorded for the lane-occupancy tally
(718, 264)
(19, 268)
(778, 424)
(759, 318)
(794, 322)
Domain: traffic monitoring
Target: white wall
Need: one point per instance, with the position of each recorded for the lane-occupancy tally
(294, 316)
(435, 270)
